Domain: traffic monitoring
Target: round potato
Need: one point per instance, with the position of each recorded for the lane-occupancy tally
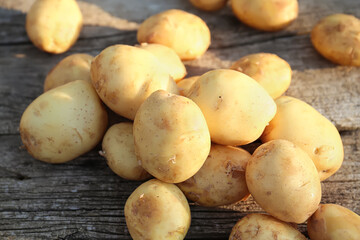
(284, 181)
(270, 71)
(271, 229)
(118, 149)
(157, 210)
(187, 34)
(301, 124)
(54, 26)
(269, 15)
(71, 68)
(63, 123)
(336, 37)
(171, 137)
(209, 5)
(221, 180)
(235, 106)
(185, 84)
(124, 76)
(333, 221)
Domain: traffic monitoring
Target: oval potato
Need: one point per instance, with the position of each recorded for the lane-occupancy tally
(184, 85)
(209, 5)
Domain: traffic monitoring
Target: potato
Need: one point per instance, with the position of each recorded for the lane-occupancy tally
(187, 34)
(264, 227)
(221, 180)
(284, 181)
(336, 37)
(71, 68)
(235, 106)
(54, 25)
(270, 71)
(269, 15)
(171, 137)
(157, 210)
(185, 84)
(208, 5)
(118, 149)
(301, 124)
(124, 76)
(333, 221)
(63, 123)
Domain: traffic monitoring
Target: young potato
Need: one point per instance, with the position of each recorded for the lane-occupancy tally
(235, 106)
(71, 68)
(336, 37)
(269, 15)
(284, 181)
(118, 149)
(54, 25)
(63, 123)
(301, 124)
(333, 221)
(184, 85)
(208, 5)
(187, 34)
(270, 71)
(271, 229)
(124, 76)
(171, 137)
(221, 180)
(157, 210)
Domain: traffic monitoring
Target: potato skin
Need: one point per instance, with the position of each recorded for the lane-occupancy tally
(54, 25)
(157, 210)
(209, 5)
(301, 124)
(185, 84)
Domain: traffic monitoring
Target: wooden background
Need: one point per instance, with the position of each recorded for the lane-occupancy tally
(83, 199)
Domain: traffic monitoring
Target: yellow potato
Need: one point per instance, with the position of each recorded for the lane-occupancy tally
(333, 221)
(157, 210)
(187, 34)
(221, 180)
(118, 149)
(284, 181)
(124, 76)
(71, 68)
(301, 124)
(268, 15)
(54, 25)
(208, 5)
(63, 123)
(336, 37)
(235, 106)
(171, 137)
(270, 71)
(185, 84)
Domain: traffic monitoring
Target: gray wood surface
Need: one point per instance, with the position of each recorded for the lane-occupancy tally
(83, 199)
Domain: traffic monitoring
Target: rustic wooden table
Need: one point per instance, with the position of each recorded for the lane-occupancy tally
(83, 199)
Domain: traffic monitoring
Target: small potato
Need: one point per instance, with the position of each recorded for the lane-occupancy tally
(63, 123)
(209, 5)
(184, 85)
(337, 38)
(118, 149)
(157, 210)
(268, 15)
(264, 227)
(221, 180)
(71, 68)
(333, 221)
(301, 124)
(270, 71)
(284, 181)
(187, 34)
(54, 25)
(171, 137)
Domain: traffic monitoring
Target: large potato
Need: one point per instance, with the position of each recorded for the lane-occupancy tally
(184, 32)
(301, 124)
(333, 221)
(235, 106)
(184, 85)
(124, 76)
(54, 25)
(171, 137)
(336, 37)
(63, 123)
(284, 181)
(209, 5)
(157, 210)
(221, 180)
